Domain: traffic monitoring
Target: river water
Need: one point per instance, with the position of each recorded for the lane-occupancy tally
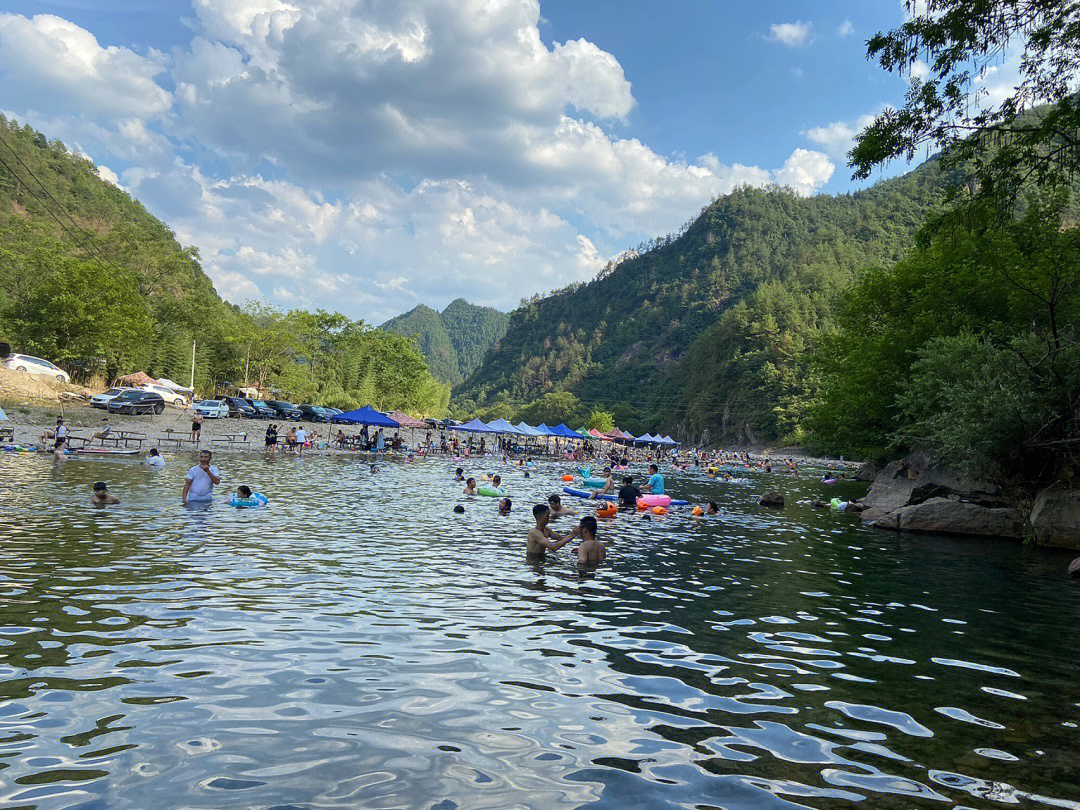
(355, 644)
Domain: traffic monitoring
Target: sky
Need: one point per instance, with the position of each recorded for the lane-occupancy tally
(365, 156)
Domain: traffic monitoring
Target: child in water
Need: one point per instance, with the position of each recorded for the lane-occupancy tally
(496, 481)
(459, 474)
(504, 506)
(102, 496)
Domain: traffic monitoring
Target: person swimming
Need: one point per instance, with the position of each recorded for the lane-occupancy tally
(591, 550)
(459, 474)
(656, 481)
(712, 508)
(102, 497)
(470, 486)
(629, 493)
(541, 539)
(557, 508)
(496, 481)
(155, 459)
(459, 510)
(504, 506)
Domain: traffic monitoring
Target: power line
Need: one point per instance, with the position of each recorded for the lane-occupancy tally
(30, 191)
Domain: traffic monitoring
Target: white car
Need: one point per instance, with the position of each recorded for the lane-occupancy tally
(36, 367)
(103, 399)
(212, 408)
(167, 394)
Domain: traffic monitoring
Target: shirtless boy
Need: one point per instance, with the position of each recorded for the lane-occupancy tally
(541, 539)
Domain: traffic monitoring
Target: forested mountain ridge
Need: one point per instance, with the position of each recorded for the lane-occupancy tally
(708, 331)
(453, 341)
(94, 282)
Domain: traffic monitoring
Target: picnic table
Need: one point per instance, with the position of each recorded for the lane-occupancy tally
(128, 437)
(169, 438)
(233, 439)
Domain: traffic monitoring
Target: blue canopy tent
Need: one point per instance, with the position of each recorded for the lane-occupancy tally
(502, 426)
(669, 440)
(544, 430)
(365, 416)
(475, 426)
(645, 438)
(528, 430)
(563, 432)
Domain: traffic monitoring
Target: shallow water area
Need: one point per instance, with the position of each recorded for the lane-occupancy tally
(356, 644)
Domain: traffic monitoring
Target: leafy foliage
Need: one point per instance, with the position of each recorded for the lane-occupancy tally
(707, 331)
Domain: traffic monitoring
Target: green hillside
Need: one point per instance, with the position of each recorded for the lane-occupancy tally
(453, 341)
(707, 331)
(92, 281)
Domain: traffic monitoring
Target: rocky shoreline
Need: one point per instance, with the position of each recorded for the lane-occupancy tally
(916, 495)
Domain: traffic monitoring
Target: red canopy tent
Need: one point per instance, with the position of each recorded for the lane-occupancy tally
(407, 421)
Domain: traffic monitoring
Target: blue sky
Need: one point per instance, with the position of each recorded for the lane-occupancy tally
(368, 156)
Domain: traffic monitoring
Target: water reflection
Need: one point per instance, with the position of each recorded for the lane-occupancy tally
(356, 644)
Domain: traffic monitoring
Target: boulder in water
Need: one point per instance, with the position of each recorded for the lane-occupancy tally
(1055, 518)
(954, 516)
(771, 498)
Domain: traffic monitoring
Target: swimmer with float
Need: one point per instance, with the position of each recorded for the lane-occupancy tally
(609, 485)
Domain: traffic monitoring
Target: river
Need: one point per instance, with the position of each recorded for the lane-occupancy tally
(355, 644)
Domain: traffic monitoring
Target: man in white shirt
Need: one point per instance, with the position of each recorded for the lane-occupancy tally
(200, 479)
(301, 439)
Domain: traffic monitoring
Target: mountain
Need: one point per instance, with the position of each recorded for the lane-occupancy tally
(453, 341)
(707, 332)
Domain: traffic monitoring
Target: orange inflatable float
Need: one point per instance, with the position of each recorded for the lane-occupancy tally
(568, 478)
(607, 510)
(697, 511)
(659, 510)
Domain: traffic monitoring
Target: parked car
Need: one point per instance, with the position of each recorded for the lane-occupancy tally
(262, 410)
(36, 367)
(313, 413)
(212, 408)
(136, 401)
(167, 394)
(334, 412)
(285, 410)
(240, 407)
(103, 399)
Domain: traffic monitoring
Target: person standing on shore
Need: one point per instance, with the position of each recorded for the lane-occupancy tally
(200, 480)
(271, 439)
(196, 427)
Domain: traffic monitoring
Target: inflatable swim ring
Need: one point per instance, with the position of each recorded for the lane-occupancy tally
(492, 492)
(607, 510)
(256, 499)
(828, 481)
(568, 477)
(584, 472)
(580, 493)
(654, 500)
(594, 483)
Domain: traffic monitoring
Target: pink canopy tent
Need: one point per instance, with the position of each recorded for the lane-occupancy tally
(407, 421)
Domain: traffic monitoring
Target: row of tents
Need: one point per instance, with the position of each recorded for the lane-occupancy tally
(369, 416)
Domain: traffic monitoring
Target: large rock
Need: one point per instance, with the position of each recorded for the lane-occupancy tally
(939, 482)
(890, 491)
(1055, 518)
(954, 516)
(1074, 568)
(771, 498)
(867, 472)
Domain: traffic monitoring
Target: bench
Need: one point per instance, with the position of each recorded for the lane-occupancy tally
(172, 440)
(7, 433)
(226, 441)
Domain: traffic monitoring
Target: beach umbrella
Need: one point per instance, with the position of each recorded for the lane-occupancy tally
(502, 426)
(365, 416)
(407, 421)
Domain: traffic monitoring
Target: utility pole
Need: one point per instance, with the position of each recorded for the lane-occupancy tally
(191, 384)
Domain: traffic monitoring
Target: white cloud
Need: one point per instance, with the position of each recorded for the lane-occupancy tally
(805, 171)
(108, 175)
(791, 34)
(846, 29)
(365, 152)
(837, 138)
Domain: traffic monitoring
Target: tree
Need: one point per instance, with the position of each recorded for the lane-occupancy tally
(955, 42)
(600, 420)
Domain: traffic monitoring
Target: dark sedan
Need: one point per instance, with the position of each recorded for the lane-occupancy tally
(137, 401)
(313, 413)
(285, 410)
(262, 409)
(240, 407)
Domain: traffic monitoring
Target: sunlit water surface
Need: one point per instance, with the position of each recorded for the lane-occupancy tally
(357, 645)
